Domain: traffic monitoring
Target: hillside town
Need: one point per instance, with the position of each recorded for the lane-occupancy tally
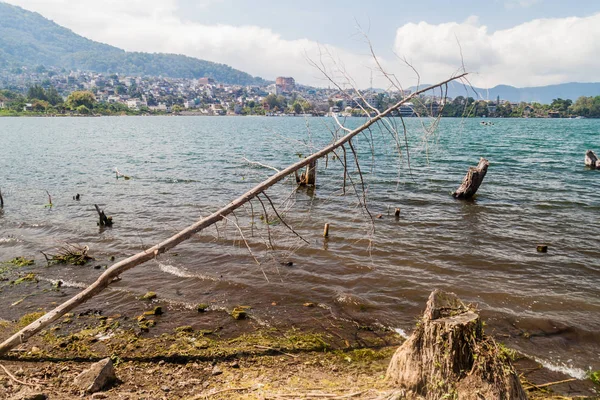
(47, 91)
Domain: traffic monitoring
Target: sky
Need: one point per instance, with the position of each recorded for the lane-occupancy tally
(514, 42)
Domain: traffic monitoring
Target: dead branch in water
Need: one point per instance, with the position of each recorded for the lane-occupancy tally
(49, 200)
(472, 180)
(119, 268)
(103, 219)
(69, 254)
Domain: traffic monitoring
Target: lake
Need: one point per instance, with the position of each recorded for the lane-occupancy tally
(376, 271)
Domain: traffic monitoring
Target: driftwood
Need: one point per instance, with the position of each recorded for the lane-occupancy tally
(103, 219)
(472, 180)
(448, 356)
(591, 160)
(124, 265)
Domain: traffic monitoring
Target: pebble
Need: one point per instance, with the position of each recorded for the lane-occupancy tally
(216, 371)
(165, 389)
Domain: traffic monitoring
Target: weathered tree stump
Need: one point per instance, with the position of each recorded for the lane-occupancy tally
(103, 219)
(448, 356)
(591, 160)
(472, 180)
(309, 177)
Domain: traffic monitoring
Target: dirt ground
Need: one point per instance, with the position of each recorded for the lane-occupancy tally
(186, 363)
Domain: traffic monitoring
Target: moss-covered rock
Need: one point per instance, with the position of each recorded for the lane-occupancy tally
(149, 296)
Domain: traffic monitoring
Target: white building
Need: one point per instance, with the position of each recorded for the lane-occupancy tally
(135, 104)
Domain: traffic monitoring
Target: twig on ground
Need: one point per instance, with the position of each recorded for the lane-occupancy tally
(11, 376)
(274, 349)
(534, 386)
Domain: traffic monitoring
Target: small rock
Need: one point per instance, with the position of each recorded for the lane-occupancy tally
(239, 313)
(184, 329)
(379, 216)
(156, 311)
(216, 371)
(202, 307)
(35, 349)
(235, 364)
(309, 304)
(165, 389)
(97, 377)
(161, 362)
(25, 394)
(148, 296)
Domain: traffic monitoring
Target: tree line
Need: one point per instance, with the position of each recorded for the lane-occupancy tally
(584, 106)
(39, 100)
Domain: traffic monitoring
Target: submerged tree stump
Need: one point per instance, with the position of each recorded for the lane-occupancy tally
(591, 160)
(472, 180)
(103, 219)
(309, 177)
(448, 356)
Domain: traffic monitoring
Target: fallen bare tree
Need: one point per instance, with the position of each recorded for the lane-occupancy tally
(117, 269)
(472, 180)
(448, 356)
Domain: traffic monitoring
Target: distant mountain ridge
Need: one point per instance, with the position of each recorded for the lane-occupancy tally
(29, 39)
(539, 94)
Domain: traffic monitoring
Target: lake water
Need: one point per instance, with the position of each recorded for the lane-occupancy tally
(537, 191)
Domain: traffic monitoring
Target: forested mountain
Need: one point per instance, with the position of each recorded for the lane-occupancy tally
(29, 39)
(537, 94)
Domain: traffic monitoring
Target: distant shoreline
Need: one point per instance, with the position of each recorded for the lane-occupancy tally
(33, 115)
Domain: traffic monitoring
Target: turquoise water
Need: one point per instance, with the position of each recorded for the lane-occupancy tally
(537, 191)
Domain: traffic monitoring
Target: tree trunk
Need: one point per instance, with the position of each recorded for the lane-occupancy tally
(124, 265)
(591, 160)
(448, 356)
(472, 180)
(309, 177)
(311, 173)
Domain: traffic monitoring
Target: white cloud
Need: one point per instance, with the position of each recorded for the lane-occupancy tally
(539, 52)
(153, 26)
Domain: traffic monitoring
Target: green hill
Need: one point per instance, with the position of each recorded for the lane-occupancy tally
(29, 39)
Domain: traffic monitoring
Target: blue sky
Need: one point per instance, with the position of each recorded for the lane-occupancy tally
(515, 42)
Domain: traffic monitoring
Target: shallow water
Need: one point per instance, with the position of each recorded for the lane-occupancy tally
(536, 192)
